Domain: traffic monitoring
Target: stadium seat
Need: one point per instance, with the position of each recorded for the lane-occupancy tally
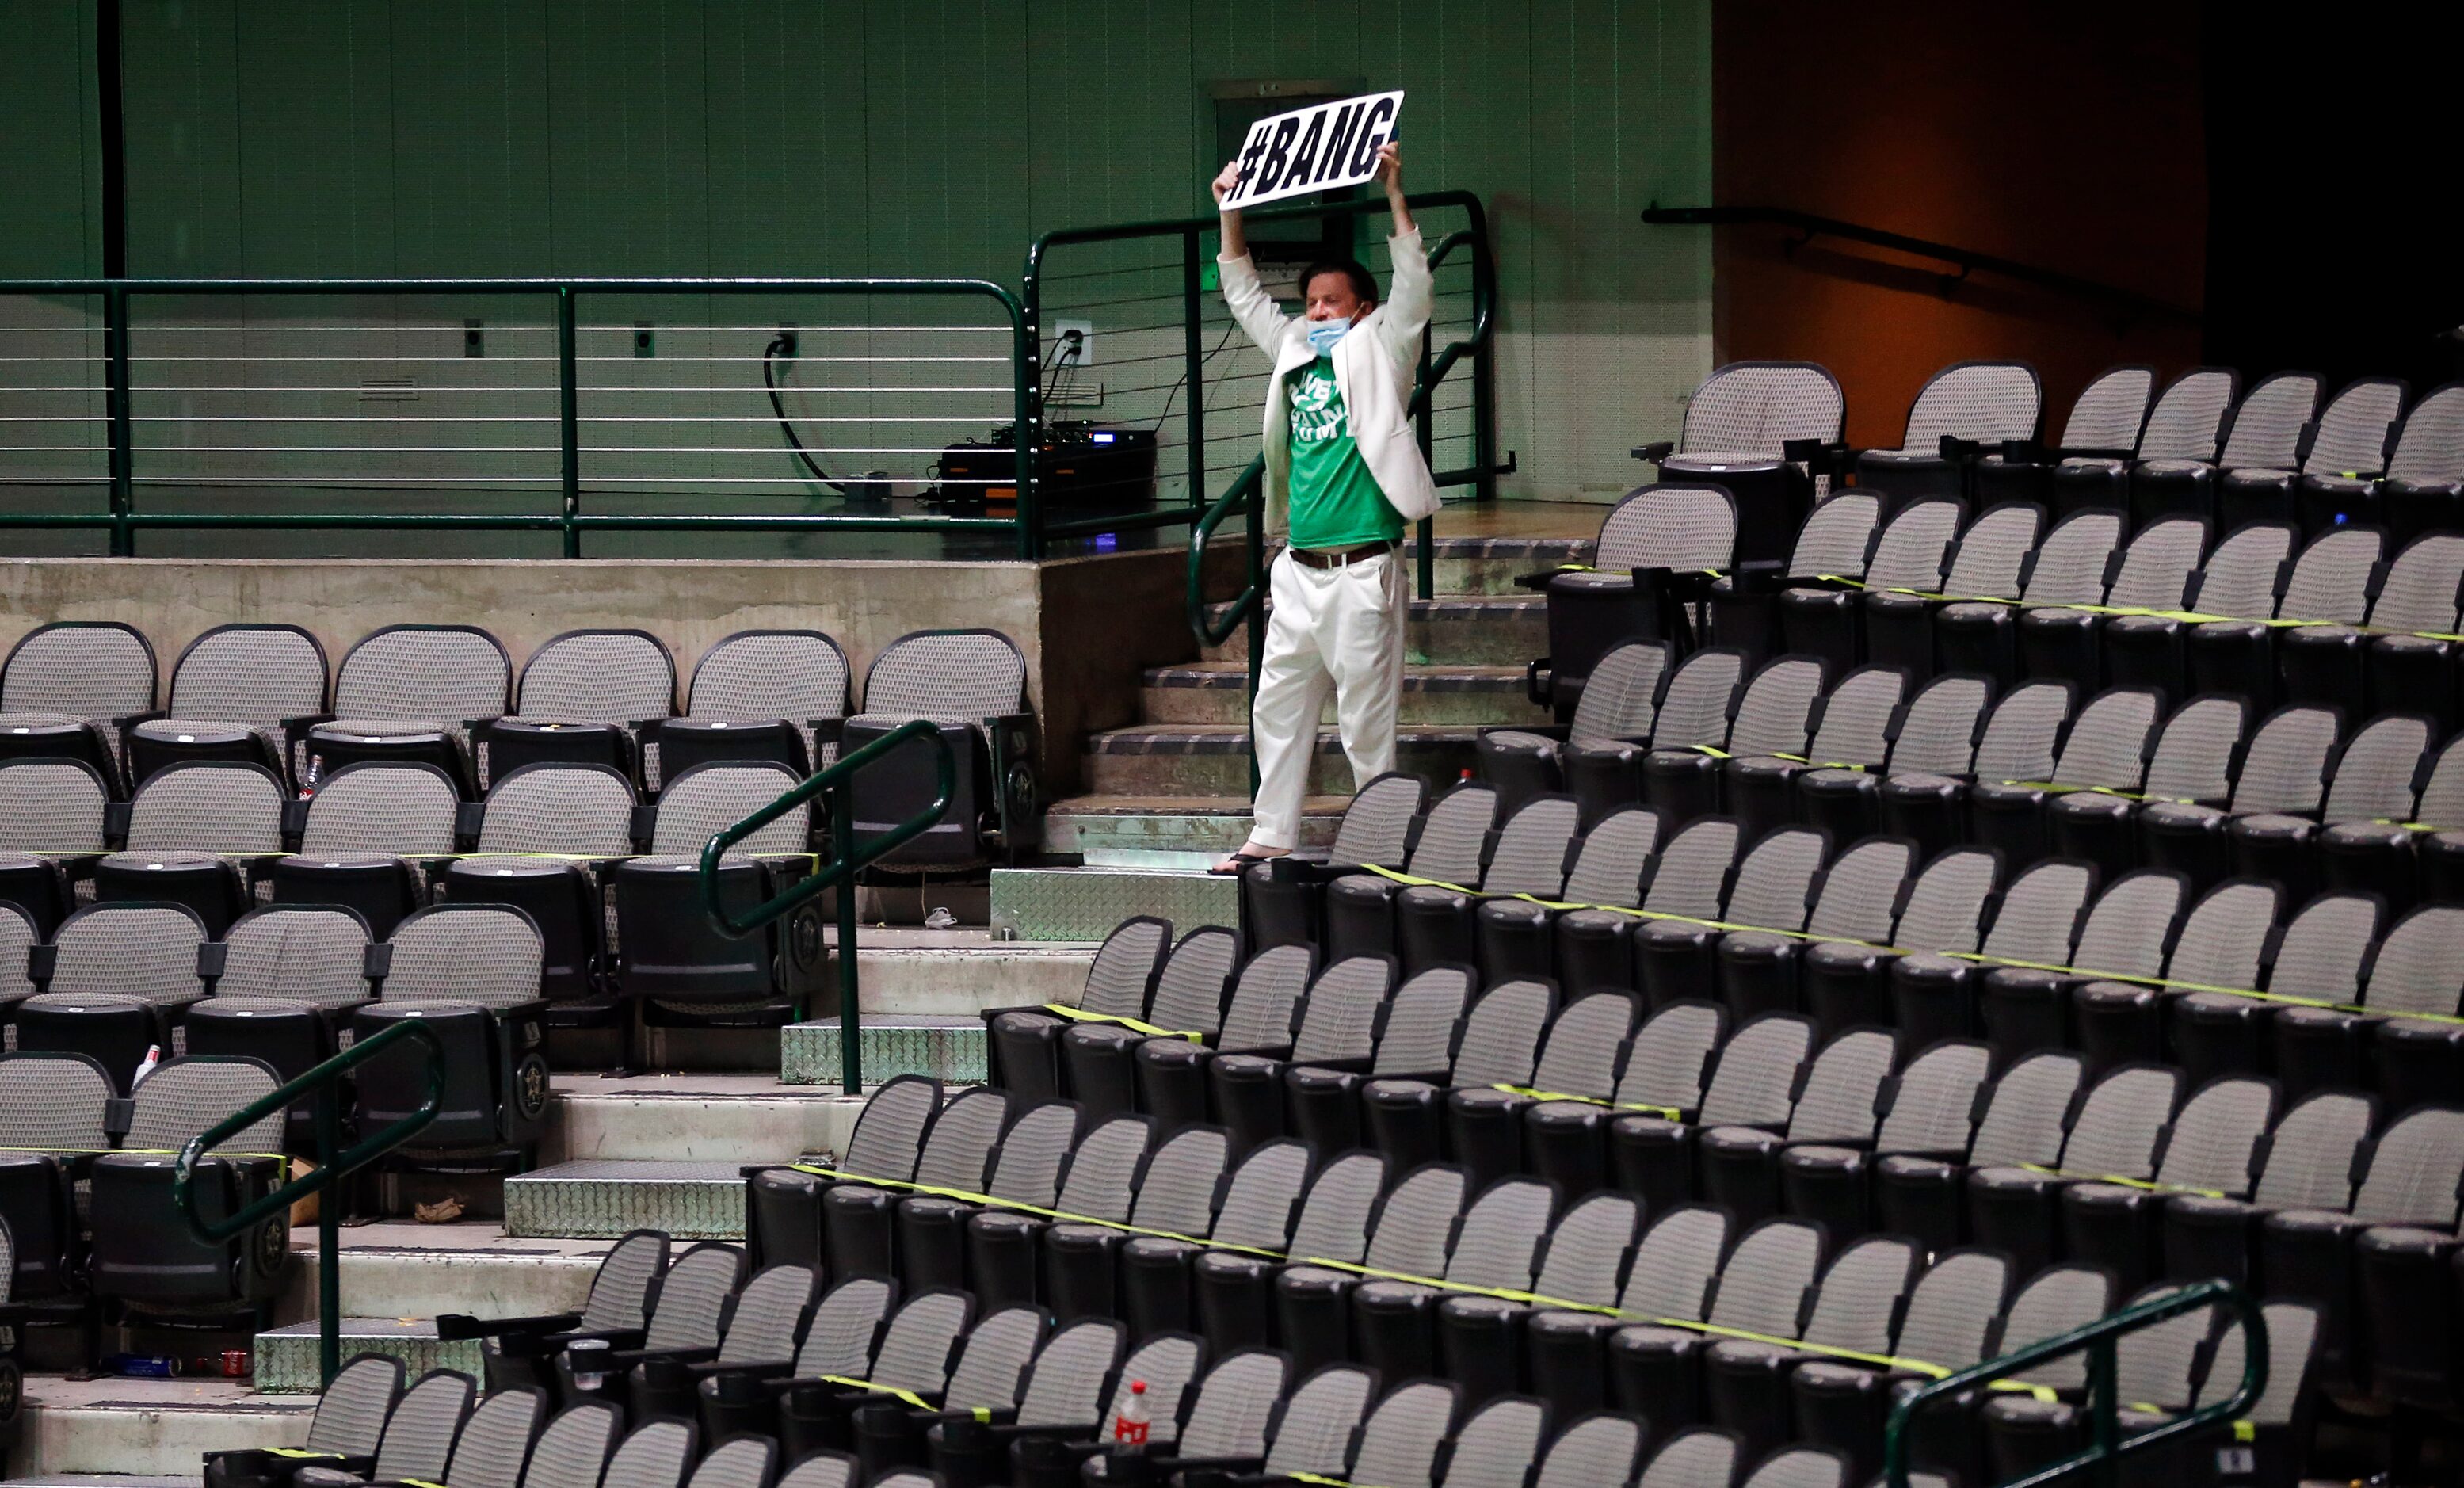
(66, 687)
(1173, 1193)
(1577, 1063)
(2104, 425)
(1653, 549)
(1267, 998)
(1990, 558)
(1770, 714)
(1422, 1028)
(1665, 1065)
(1980, 635)
(992, 1367)
(775, 695)
(200, 833)
(116, 980)
(1043, 1455)
(2263, 431)
(1410, 1234)
(1481, 1338)
(1099, 1058)
(2206, 1149)
(1435, 925)
(1596, 948)
(1925, 1108)
(2107, 744)
(368, 837)
(2350, 439)
(1772, 887)
(2022, 1122)
(1739, 1166)
(1975, 404)
(1338, 1023)
(55, 1113)
(579, 700)
(973, 685)
(1942, 909)
(2186, 424)
(1516, 936)
(1951, 1310)
(1448, 846)
(1909, 553)
(348, 1422)
(470, 973)
(1834, 539)
(2063, 644)
(2423, 489)
(1763, 1285)
(1405, 1109)
(1754, 1084)
(1695, 700)
(232, 691)
(1745, 428)
(1598, 755)
(2190, 763)
(670, 962)
(1864, 1286)
(145, 1261)
(759, 1330)
(548, 835)
(1059, 1395)
(283, 982)
(1933, 732)
(1260, 1199)
(2372, 673)
(1281, 899)
(407, 693)
(933, 1247)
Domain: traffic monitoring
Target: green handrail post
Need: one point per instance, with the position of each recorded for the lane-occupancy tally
(116, 393)
(568, 412)
(2102, 1458)
(334, 1164)
(847, 858)
(1193, 366)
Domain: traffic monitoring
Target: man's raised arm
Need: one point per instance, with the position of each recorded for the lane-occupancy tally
(1408, 299)
(1249, 302)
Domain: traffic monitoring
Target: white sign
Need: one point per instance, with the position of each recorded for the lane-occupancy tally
(1314, 149)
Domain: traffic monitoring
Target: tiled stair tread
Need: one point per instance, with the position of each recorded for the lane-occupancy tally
(1416, 677)
(362, 1329)
(628, 1169)
(100, 1480)
(1233, 738)
(1507, 547)
(1449, 606)
(1180, 806)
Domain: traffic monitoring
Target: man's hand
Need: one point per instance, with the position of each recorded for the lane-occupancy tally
(1390, 169)
(1390, 175)
(1228, 219)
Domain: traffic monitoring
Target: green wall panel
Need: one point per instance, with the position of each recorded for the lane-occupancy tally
(50, 206)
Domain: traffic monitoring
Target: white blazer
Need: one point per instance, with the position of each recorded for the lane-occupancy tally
(1374, 368)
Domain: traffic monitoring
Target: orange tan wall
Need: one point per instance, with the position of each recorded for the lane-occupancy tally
(2068, 135)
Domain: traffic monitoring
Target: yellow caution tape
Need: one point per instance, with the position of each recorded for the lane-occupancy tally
(2244, 1429)
(1081, 1015)
(907, 1397)
(1435, 1284)
(1527, 1091)
(2147, 1184)
(1979, 957)
(304, 1452)
(2185, 617)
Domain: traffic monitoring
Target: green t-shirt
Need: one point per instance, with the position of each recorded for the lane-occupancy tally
(1335, 501)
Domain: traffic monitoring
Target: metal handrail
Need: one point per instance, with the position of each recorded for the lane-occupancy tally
(2107, 1446)
(123, 521)
(1241, 497)
(332, 1166)
(847, 858)
(1964, 259)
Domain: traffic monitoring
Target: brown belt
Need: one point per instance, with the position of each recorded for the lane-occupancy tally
(1342, 558)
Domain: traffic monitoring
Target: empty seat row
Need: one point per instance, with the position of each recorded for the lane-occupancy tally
(445, 696)
(561, 843)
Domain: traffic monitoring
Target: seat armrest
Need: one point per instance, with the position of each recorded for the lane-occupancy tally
(459, 1327)
(619, 1359)
(766, 1370)
(1657, 450)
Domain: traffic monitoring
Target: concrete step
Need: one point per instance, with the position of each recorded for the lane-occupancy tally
(1477, 630)
(1219, 692)
(693, 1118)
(602, 1199)
(398, 1269)
(287, 1357)
(151, 1428)
(1490, 565)
(948, 1047)
(1213, 759)
(907, 972)
(1086, 903)
(1169, 831)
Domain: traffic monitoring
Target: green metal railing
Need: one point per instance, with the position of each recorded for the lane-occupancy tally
(2101, 1460)
(334, 1164)
(124, 520)
(847, 858)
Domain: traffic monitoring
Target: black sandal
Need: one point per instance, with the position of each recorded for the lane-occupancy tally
(1241, 862)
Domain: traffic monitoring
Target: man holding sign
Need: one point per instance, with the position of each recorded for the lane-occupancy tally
(1343, 475)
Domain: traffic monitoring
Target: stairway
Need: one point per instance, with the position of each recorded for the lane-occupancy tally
(1169, 795)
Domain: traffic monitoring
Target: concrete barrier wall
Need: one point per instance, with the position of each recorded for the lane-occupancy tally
(1087, 626)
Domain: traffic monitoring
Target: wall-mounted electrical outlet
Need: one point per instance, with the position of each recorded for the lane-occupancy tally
(475, 337)
(1062, 333)
(643, 344)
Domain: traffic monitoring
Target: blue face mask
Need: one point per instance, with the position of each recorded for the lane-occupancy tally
(1324, 334)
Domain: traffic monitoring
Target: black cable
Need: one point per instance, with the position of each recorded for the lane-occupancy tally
(780, 344)
(1185, 376)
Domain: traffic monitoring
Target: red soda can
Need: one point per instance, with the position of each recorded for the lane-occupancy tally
(234, 1363)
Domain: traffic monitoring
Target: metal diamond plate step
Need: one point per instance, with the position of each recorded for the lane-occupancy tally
(600, 1199)
(286, 1358)
(1168, 831)
(947, 1047)
(1086, 903)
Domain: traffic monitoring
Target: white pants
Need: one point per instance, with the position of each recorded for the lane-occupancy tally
(1330, 627)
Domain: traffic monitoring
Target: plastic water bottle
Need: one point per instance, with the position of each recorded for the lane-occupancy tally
(1130, 1420)
(146, 1065)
